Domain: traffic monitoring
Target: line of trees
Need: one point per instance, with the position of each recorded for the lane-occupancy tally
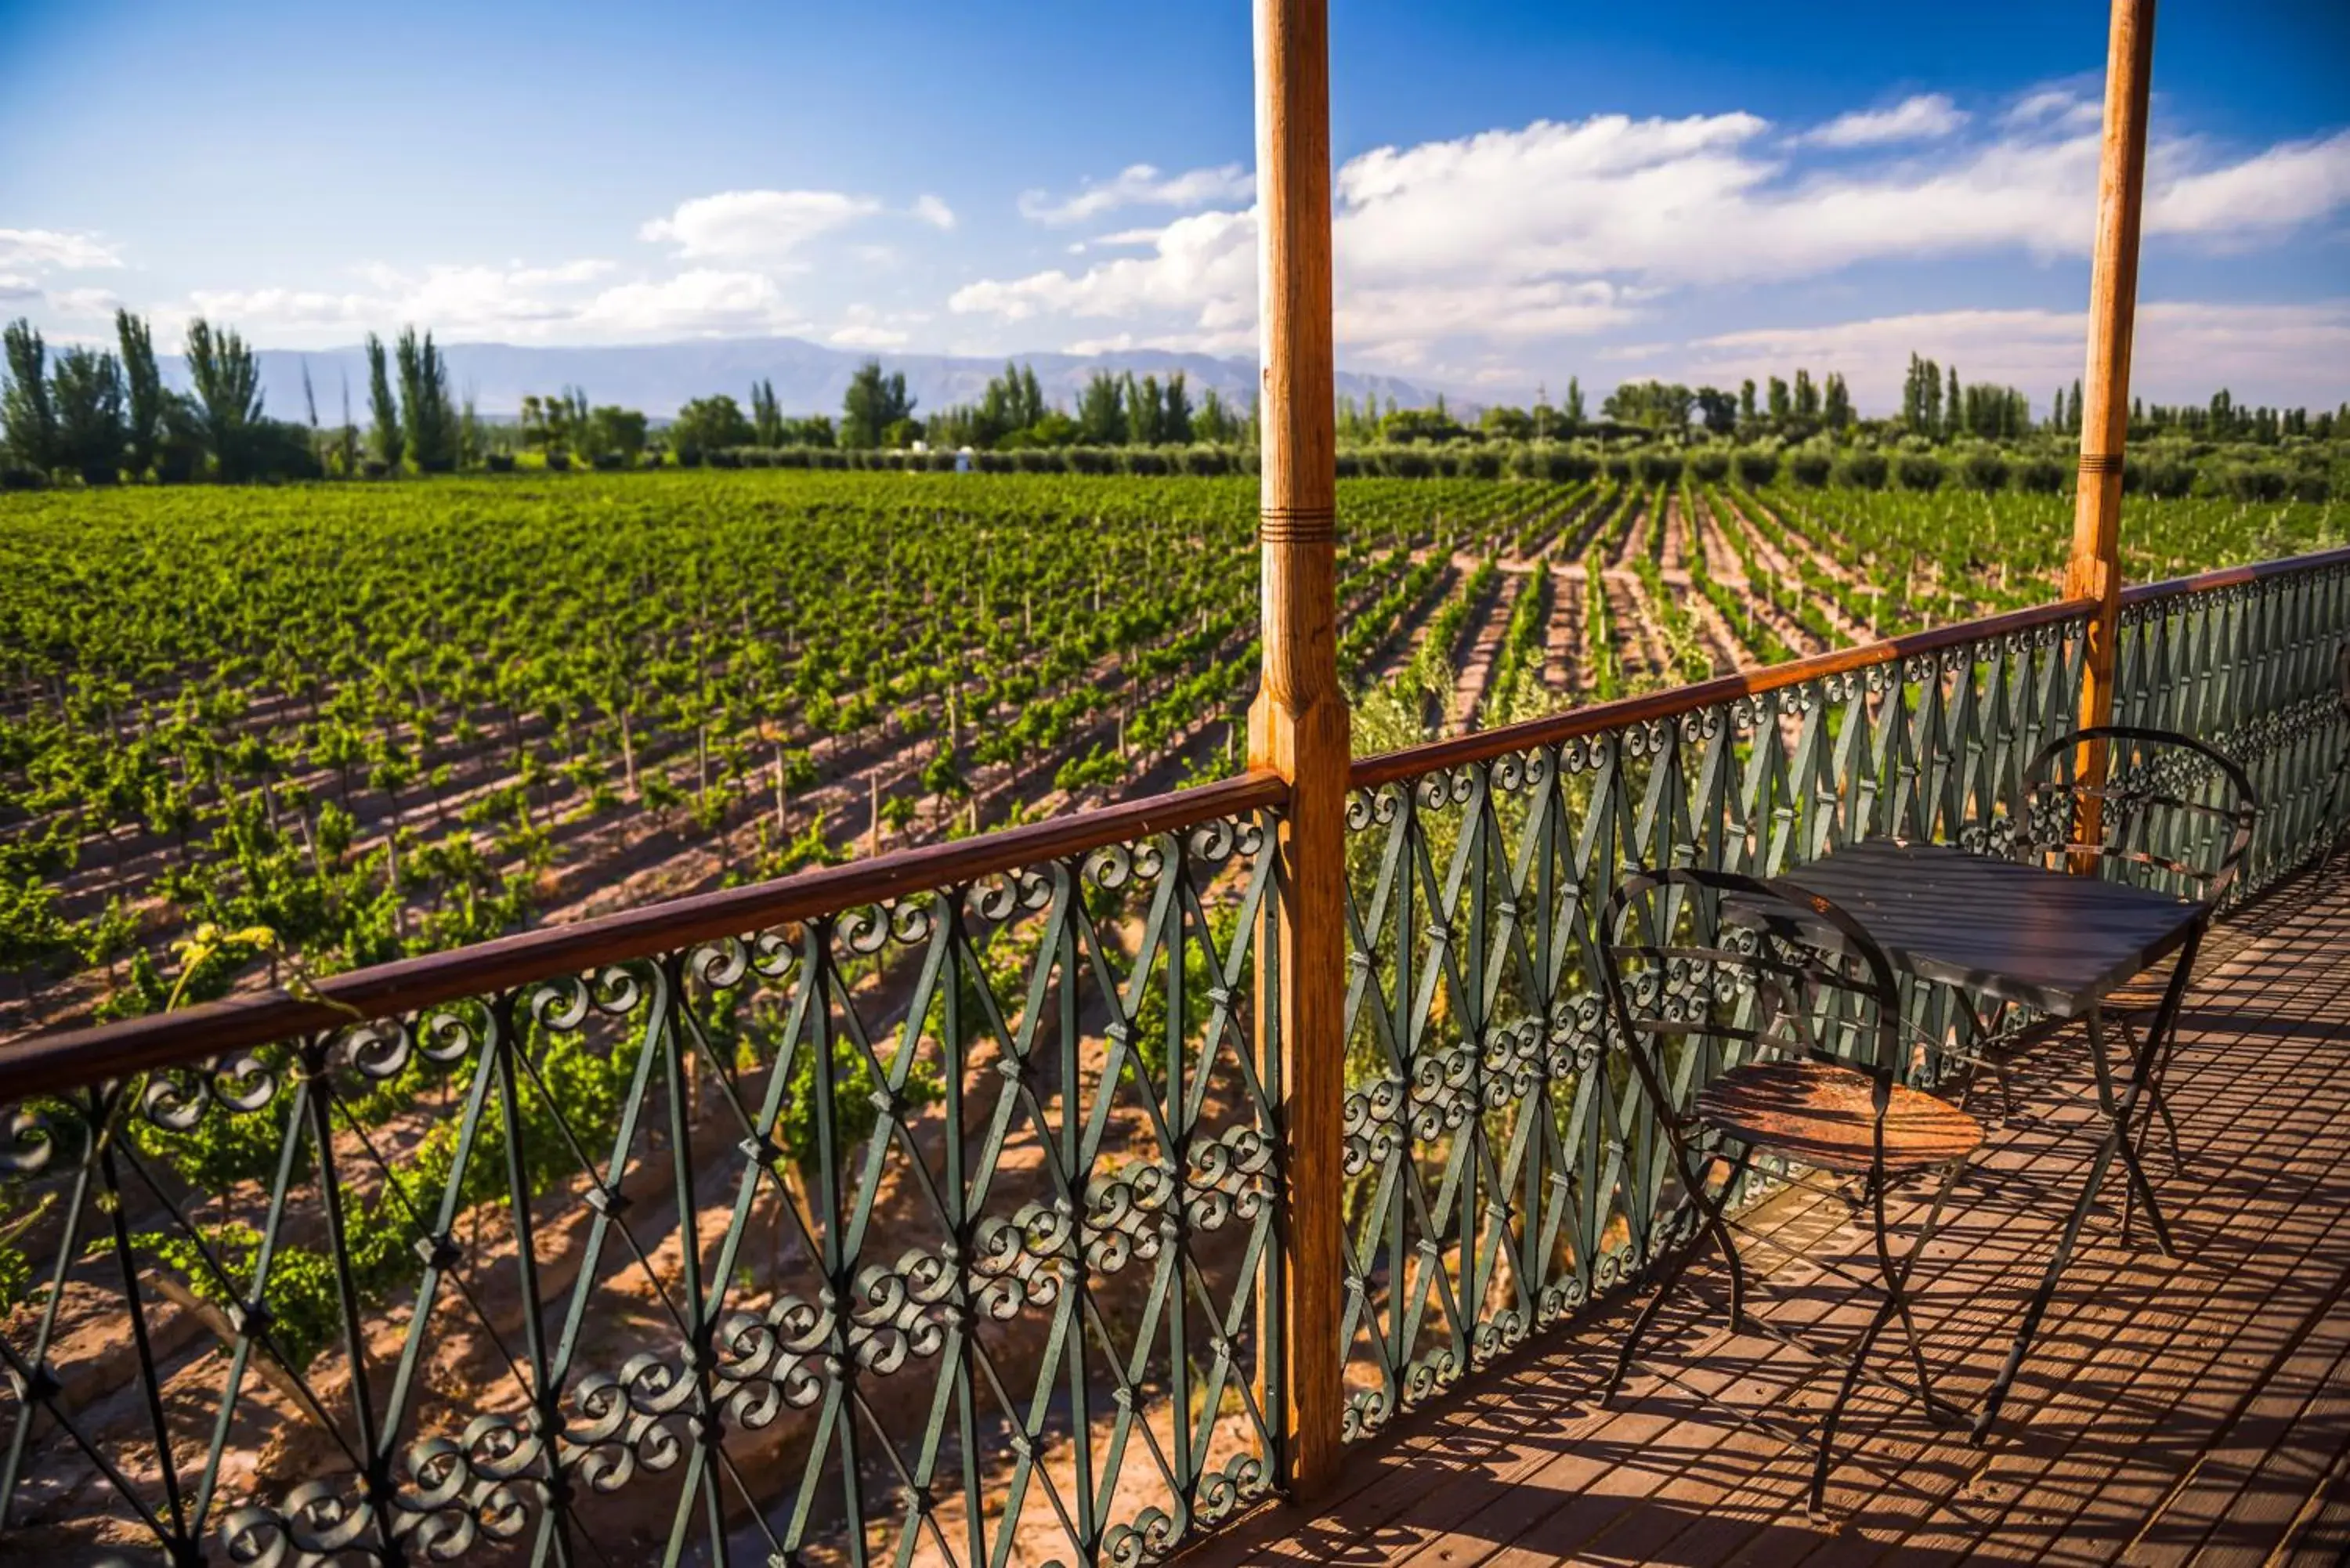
(104, 414)
(1936, 406)
(1119, 411)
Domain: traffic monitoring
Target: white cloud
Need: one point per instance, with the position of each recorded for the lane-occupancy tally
(566, 302)
(700, 303)
(2058, 105)
(16, 285)
(1565, 229)
(1204, 266)
(88, 304)
(1141, 185)
(2288, 185)
(1924, 117)
(583, 271)
(935, 211)
(755, 225)
(55, 249)
(266, 312)
(862, 327)
(856, 336)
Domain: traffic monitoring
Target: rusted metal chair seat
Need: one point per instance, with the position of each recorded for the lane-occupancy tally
(1705, 966)
(1823, 1115)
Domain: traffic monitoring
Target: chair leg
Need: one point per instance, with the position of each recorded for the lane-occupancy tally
(1938, 1410)
(1709, 1223)
(1720, 1228)
(1674, 1267)
(1843, 1393)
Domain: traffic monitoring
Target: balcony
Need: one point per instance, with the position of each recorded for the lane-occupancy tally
(950, 1206)
(2176, 1408)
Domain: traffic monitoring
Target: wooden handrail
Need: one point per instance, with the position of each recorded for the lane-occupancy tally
(56, 1063)
(1369, 773)
(2235, 577)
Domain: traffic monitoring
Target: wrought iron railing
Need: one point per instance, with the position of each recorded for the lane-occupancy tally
(2246, 659)
(917, 1208)
(1502, 1170)
(929, 1209)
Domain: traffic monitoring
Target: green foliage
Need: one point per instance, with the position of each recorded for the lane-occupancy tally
(874, 402)
(1863, 470)
(428, 416)
(86, 391)
(708, 425)
(387, 434)
(226, 374)
(28, 425)
(616, 432)
(143, 385)
(1919, 470)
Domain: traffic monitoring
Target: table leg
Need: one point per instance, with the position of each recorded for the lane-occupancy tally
(2037, 1308)
(2122, 1114)
(2116, 1141)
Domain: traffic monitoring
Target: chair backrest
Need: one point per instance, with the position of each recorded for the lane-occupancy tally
(1744, 970)
(2174, 812)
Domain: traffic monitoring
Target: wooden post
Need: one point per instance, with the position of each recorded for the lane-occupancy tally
(1298, 725)
(2095, 568)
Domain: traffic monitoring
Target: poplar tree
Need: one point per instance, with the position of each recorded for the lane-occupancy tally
(766, 417)
(28, 425)
(385, 443)
(1031, 398)
(428, 416)
(875, 402)
(1175, 413)
(1838, 411)
(144, 397)
(86, 391)
(1952, 420)
(227, 377)
(1101, 411)
(1573, 403)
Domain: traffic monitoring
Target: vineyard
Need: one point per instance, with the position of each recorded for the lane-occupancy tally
(259, 736)
(271, 734)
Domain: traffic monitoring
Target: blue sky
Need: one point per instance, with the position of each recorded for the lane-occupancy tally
(1526, 191)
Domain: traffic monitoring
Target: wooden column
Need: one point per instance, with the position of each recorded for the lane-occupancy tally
(2095, 568)
(1298, 726)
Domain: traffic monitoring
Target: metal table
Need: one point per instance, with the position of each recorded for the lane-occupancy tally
(2018, 933)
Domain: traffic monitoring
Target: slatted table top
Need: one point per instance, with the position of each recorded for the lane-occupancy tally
(1998, 927)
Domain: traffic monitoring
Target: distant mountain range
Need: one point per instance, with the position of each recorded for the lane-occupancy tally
(660, 378)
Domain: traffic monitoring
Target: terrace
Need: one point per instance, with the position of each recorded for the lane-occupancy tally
(1250, 1170)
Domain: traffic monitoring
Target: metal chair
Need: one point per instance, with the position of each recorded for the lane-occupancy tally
(2173, 812)
(1748, 990)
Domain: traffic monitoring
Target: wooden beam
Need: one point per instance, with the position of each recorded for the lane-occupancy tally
(2094, 572)
(1298, 727)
